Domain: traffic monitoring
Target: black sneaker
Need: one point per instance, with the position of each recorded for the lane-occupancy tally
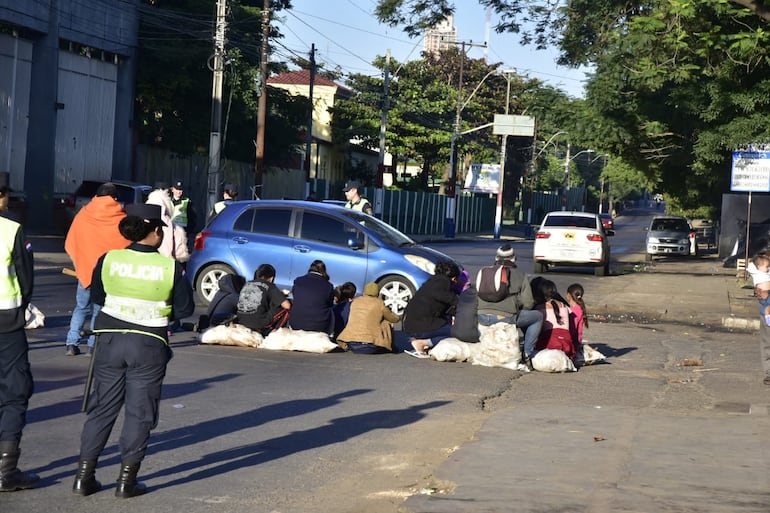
(72, 350)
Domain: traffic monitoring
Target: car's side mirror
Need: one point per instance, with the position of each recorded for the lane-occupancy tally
(355, 244)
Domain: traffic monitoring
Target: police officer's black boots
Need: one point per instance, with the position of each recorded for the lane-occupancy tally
(11, 478)
(127, 485)
(85, 479)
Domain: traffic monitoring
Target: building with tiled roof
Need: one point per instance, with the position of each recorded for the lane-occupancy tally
(328, 160)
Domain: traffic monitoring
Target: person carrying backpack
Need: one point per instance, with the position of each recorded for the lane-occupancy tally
(505, 295)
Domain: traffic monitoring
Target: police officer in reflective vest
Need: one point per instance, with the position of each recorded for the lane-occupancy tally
(355, 200)
(16, 282)
(140, 291)
(183, 214)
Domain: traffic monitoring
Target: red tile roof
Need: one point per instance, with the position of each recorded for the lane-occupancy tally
(301, 77)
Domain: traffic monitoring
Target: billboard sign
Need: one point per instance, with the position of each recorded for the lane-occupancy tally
(750, 171)
(483, 178)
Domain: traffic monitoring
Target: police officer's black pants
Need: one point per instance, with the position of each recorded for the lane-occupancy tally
(15, 384)
(128, 370)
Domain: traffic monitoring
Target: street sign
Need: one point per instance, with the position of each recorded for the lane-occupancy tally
(750, 171)
(483, 178)
(506, 124)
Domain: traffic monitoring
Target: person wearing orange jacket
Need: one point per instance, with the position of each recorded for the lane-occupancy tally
(94, 232)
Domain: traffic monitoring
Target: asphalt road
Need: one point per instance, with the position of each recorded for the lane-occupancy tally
(258, 431)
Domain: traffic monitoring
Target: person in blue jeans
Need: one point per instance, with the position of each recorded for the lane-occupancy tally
(517, 307)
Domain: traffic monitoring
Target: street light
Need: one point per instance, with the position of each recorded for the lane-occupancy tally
(567, 160)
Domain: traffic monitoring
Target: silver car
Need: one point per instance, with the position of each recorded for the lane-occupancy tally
(670, 236)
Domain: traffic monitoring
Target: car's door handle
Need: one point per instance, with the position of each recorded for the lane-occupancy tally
(240, 240)
(302, 249)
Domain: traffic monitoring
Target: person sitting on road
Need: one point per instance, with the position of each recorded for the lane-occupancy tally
(343, 295)
(557, 332)
(579, 312)
(262, 306)
(224, 305)
(313, 301)
(517, 307)
(370, 327)
(427, 318)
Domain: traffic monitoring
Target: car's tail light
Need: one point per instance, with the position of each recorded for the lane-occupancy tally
(200, 240)
(542, 235)
(69, 201)
(594, 237)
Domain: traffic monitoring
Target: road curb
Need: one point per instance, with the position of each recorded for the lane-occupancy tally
(740, 323)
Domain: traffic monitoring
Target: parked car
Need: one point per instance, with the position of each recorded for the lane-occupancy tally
(128, 193)
(607, 222)
(705, 232)
(670, 235)
(291, 234)
(572, 239)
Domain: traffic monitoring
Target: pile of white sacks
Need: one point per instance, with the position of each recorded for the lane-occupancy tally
(499, 347)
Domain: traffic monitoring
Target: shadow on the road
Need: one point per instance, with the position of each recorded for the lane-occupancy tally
(229, 460)
(611, 352)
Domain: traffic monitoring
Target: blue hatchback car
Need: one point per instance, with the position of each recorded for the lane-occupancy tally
(291, 234)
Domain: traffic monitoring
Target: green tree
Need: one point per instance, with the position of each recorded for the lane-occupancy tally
(173, 104)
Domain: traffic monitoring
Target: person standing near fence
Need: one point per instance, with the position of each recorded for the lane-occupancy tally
(16, 384)
(355, 200)
(140, 290)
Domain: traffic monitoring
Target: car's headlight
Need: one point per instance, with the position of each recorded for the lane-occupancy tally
(653, 240)
(684, 241)
(422, 263)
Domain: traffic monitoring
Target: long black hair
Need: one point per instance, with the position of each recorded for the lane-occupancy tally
(546, 290)
(576, 291)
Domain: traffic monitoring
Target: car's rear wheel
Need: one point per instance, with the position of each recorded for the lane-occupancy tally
(540, 267)
(396, 292)
(602, 270)
(207, 282)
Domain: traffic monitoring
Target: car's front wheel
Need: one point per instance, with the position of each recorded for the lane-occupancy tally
(207, 282)
(396, 293)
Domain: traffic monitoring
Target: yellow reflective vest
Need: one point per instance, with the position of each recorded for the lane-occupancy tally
(10, 292)
(180, 212)
(138, 287)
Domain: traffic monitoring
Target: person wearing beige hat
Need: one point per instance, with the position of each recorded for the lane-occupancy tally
(370, 325)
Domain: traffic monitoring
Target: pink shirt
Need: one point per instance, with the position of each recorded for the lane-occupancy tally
(578, 320)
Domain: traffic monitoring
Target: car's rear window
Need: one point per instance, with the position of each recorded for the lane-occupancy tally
(264, 220)
(670, 225)
(570, 222)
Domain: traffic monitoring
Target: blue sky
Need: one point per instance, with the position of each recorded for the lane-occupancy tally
(345, 33)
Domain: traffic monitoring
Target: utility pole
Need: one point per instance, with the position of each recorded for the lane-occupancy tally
(310, 122)
(259, 161)
(566, 179)
(501, 178)
(451, 203)
(216, 105)
(379, 193)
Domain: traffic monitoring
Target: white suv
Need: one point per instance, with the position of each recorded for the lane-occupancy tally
(572, 239)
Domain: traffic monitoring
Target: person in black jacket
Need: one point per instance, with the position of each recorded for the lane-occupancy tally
(262, 306)
(224, 305)
(139, 291)
(427, 318)
(16, 382)
(313, 300)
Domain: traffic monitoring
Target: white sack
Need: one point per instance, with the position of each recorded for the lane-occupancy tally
(498, 347)
(34, 317)
(589, 355)
(231, 335)
(287, 339)
(451, 350)
(552, 360)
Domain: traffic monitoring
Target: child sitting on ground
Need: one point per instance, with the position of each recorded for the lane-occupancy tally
(579, 313)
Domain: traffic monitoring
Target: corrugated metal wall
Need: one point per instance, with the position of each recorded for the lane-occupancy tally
(16, 63)
(86, 120)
